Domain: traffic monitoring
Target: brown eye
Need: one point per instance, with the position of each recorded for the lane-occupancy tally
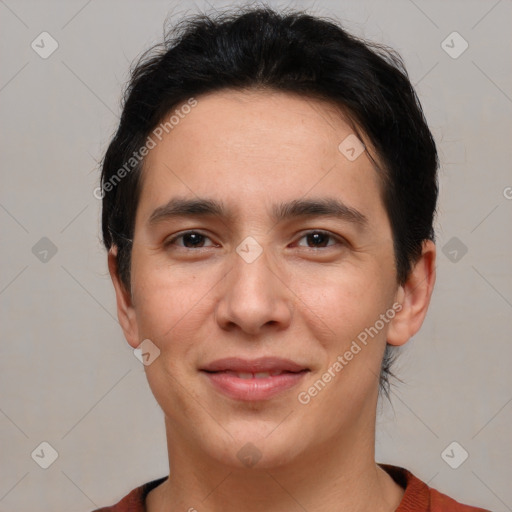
(318, 239)
(189, 239)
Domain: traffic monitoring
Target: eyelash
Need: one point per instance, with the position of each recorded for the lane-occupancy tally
(339, 240)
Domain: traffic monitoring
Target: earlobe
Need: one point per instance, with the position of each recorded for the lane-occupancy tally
(414, 296)
(125, 308)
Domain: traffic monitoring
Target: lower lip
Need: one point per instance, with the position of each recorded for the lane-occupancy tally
(253, 389)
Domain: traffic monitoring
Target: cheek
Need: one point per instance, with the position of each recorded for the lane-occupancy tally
(342, 301)
(172, 305)
(159, 297)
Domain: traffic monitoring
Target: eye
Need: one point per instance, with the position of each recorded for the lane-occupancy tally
(190, 240)
(319, 239)
(316, 239)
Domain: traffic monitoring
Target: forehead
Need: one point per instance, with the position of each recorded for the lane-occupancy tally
(247, 146)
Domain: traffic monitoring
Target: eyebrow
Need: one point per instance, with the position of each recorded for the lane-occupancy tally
(203, 207)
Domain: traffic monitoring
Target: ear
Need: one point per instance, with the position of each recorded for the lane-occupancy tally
(414, 296)
(125, 308)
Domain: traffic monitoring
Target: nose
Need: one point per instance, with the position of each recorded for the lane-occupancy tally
(254, 297)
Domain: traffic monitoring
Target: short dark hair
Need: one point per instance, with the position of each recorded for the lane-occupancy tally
(289, 51)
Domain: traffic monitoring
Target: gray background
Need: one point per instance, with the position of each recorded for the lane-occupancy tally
(67, 375)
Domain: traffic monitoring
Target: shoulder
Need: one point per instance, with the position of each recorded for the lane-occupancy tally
(419, 497)
(441, 503)
(134, 501)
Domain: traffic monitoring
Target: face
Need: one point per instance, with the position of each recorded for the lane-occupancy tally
(286, 255)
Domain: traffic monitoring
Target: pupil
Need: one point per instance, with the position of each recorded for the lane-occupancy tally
(194, 238)
(317, 237)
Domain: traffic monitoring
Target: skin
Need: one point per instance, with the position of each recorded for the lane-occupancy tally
(251, 150)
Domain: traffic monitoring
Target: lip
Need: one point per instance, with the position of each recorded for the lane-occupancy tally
(262, 364)
(222, 374)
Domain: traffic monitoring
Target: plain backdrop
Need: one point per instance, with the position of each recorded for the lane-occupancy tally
(68, 377)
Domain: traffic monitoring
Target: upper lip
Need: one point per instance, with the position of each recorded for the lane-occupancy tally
(262, 364)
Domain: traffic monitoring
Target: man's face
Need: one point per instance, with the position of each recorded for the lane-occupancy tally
(302, 287)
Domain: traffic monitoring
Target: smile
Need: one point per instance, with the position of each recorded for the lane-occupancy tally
(247, 386)
(255, 379)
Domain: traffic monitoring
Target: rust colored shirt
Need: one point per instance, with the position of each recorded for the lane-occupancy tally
(418, 496)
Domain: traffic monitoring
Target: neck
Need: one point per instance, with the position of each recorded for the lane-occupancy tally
(340, 474)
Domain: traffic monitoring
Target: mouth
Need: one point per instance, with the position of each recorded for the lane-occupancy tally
(253, 380)
(253, 375)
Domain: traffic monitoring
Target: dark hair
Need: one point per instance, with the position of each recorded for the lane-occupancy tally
(292, 52)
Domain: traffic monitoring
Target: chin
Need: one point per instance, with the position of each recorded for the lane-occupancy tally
(256, 451)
